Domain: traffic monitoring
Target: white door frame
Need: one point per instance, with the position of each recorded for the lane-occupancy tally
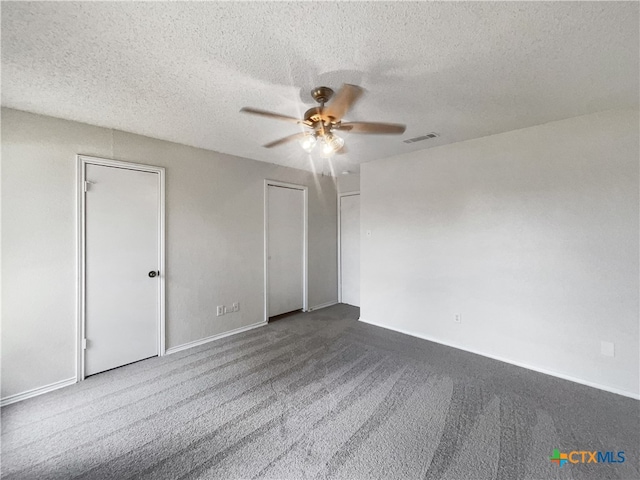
(82, 162)
(340, 195)
(305, 244)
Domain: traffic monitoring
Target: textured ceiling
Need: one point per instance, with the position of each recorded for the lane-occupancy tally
(181, 71)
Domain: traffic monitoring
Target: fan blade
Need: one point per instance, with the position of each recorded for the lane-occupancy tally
(373, 128)
(264, 113)
(343, 101)
(288, 139)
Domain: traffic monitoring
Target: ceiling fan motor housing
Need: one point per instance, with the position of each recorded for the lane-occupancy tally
(316, 118)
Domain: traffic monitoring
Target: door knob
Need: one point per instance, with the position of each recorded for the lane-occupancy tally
(153, 273)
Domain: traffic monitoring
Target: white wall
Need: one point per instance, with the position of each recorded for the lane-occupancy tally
(349, 183)
(531, 235)
(214, 239)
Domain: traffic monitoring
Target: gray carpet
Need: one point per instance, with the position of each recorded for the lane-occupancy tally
(318, 395)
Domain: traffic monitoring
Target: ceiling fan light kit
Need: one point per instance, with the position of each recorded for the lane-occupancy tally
(324, 120)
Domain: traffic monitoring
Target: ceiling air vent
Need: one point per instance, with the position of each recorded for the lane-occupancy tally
(421, 138)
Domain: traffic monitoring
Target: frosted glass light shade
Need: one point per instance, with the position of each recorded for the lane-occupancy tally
(308, 142)
(332, 143)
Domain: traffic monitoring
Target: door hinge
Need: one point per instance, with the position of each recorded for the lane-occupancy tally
(84, 343)
(86, 185)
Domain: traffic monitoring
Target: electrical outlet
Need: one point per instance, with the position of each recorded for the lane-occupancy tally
(458, 318)
(236, 306)
(607, 349)
(220, 310)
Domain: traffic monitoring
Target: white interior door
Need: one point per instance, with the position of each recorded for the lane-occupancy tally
(350, 249)
(121, 250)
(285, 249)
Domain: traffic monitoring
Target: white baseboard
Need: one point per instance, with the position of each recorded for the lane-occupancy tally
(34, 392)
(322, 305)
(563, 376)
(70, 381)
(202, 341)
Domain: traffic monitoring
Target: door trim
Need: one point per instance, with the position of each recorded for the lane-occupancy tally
(340, 195)
(82, 162)
(305, 244)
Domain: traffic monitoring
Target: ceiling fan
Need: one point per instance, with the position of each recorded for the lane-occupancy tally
(322, 122)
